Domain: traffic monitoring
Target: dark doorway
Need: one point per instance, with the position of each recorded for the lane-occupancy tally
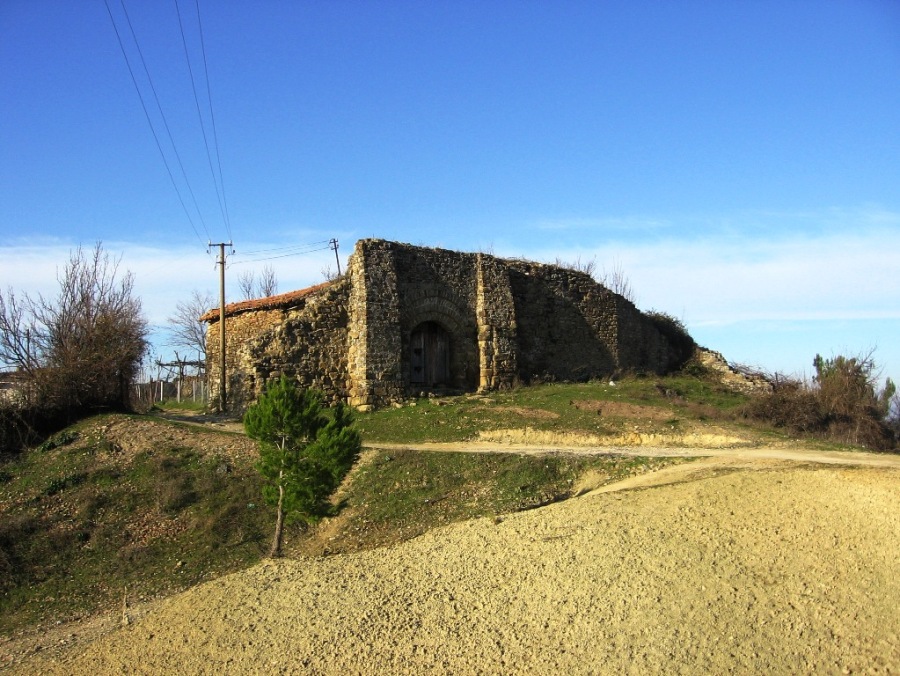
(429, 355)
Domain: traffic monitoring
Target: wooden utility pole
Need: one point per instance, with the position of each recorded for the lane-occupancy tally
(222, 391)
(334, 245)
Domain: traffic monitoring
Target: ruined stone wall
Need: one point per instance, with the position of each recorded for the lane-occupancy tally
(396, 288)
(498, 346)
(374, 330)
(505, 321)
(307, 342)
(239, 331)
(309, 346)
(565, 328)
(640, 346)
(439, 286)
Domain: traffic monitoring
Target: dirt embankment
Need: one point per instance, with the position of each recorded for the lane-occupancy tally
(751, 566)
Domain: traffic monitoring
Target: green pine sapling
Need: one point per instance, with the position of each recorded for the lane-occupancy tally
(304, 452)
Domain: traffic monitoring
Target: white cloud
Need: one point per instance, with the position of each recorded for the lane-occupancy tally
(843, 271)
(832, 272)
(162, 276)
(773, 290)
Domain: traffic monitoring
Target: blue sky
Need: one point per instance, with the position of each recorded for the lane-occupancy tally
(737, 160)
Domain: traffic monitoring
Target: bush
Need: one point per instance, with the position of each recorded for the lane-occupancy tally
(790, 406)
(24, 427)
(78, 352)
(843, 403)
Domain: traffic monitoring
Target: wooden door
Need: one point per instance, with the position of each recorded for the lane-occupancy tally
(430, 355)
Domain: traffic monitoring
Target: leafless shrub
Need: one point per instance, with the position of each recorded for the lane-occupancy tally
(791, 406)
(587, 267)
(329, 273)
(80, 350)
(616, 281)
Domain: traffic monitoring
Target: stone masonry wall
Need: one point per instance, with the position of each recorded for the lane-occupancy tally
(239, 330)
(565, 328)
(498, 347)
(639, 345)
(374, 331)
(307, 341)
(309, 345)
(505, 321)
(439, 286)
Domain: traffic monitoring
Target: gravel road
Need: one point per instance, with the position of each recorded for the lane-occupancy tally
(756, 565)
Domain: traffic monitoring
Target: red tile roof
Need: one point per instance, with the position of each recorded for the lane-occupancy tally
(268, 303)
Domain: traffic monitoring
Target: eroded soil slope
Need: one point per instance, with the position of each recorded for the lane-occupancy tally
(772, 567)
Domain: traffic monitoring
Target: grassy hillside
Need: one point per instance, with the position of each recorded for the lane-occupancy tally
(150, 506)
(82, 520)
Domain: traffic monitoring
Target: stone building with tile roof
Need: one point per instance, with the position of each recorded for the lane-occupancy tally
(405, 320)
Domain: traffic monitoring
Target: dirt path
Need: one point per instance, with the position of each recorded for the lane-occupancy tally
(732, 563)
(794, 452)
(780, 451)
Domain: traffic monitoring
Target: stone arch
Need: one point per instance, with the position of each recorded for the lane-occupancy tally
(446, 337)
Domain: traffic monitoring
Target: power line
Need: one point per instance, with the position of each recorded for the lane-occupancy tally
(150, 122)
(212, 119)
(187, 59)
(163, 116)
(287, 255)
(217, 179)
(286, 248)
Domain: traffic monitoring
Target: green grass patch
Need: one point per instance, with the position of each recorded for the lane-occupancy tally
(657, 404)
(78, 526)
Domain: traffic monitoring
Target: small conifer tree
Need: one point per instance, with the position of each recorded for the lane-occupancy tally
(304, 452)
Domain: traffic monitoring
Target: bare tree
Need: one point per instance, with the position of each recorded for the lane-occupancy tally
(186, 330)
(268, 282)
(251, 287)
(80, 350)
(247, 284)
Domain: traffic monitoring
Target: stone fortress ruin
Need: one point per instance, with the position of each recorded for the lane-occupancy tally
(405, 319)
